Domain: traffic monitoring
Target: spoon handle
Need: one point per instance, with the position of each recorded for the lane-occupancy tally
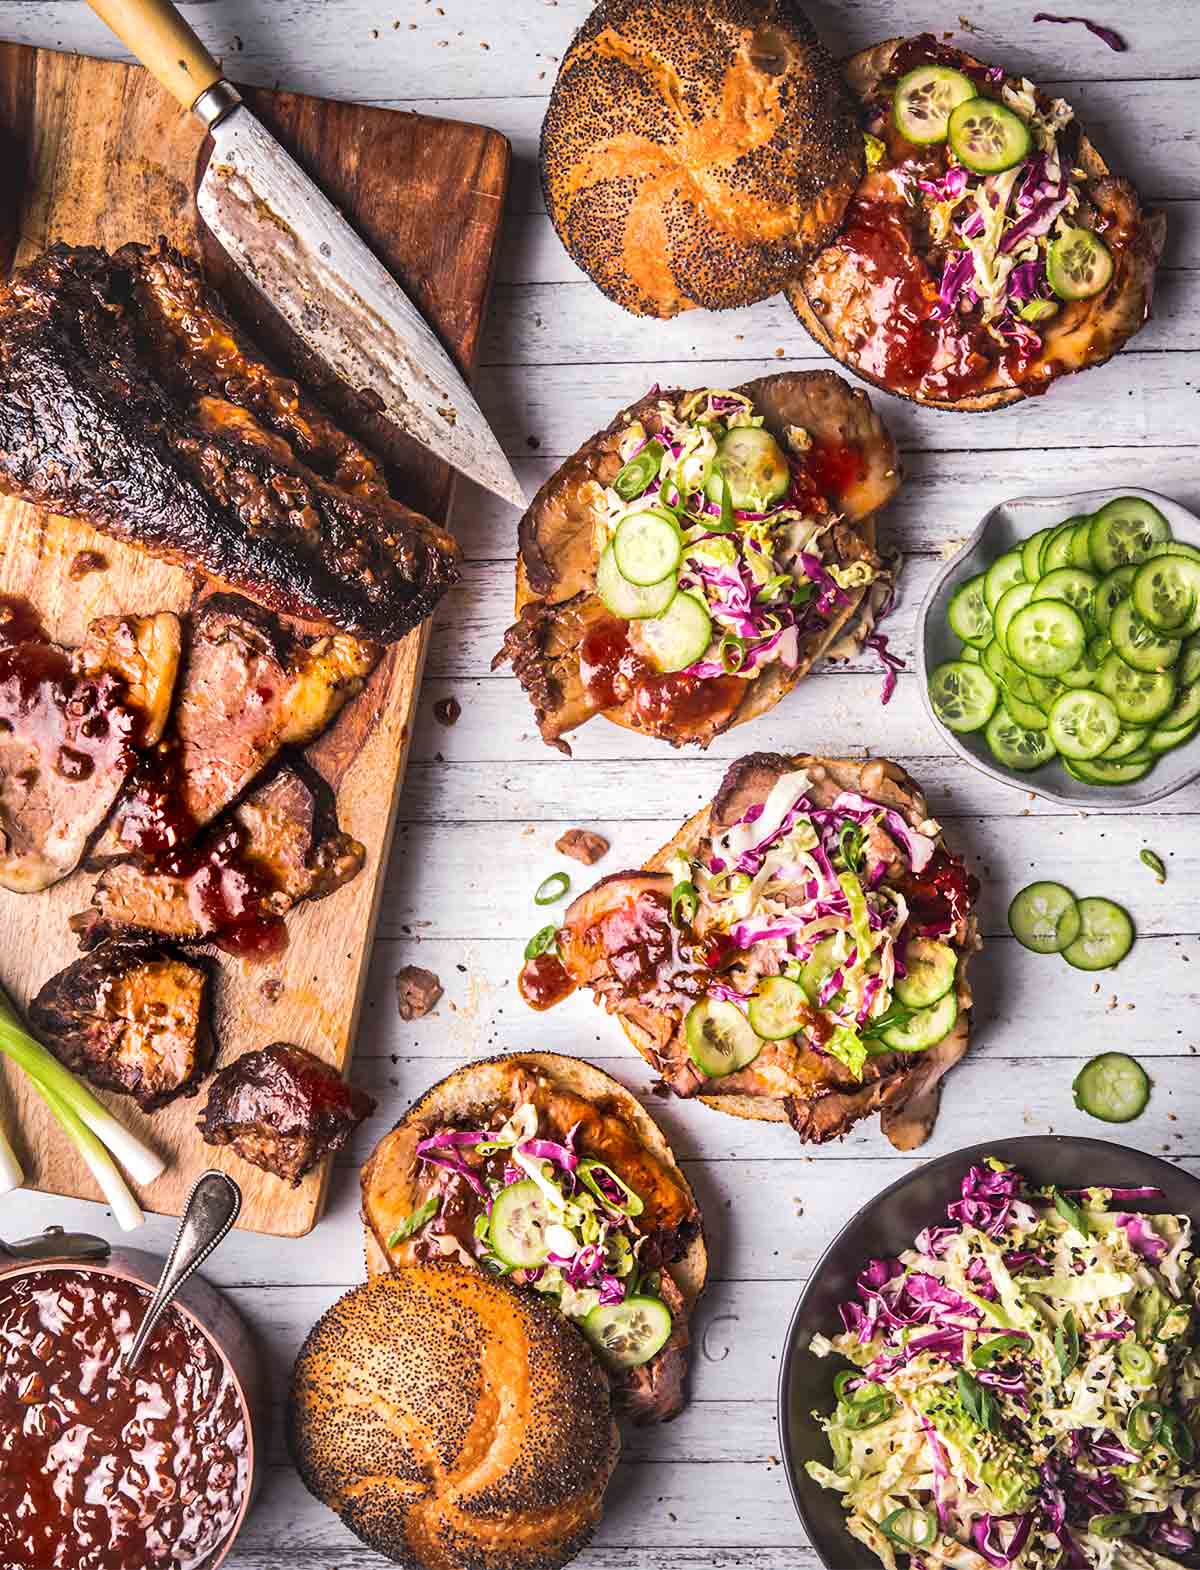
(212, 1208)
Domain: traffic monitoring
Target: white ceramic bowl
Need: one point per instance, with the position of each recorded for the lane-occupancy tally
(1006, 526)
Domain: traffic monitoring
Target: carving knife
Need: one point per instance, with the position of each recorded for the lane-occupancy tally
(296, 248)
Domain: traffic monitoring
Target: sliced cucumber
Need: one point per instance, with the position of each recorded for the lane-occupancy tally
(1136, 641)
(1113, 1087)
(1007, 672)
(1114, 587)
(1057, 551)
(625, 599)
(1166, 738)
(778, 1008)
(968, 613)
(1016, 747)
(926, 1027)
(1126, 529)
(1184, 710)
(930, 968)
(1031, 553)
(1078, 264)
(1000, 576)
(1087, 672)
(1012, 601)
(964, 697)
(680, 636)
(1106, 771)
(1083, 724)
(818, 968)
(1166, 594)
(720, 1038)
(1080, 553)
(1176, 548)
(647, 547)
(970, 653)
(628, 1334)
(1072, 584)
(517, 1226)
(1105, 934)
(925, 99)
(754, 467)
(1047, 637)
(1044, 917)
(1188, 669)
(987, 136)
(1129, 739)
(1141, 697)
(1027, 715)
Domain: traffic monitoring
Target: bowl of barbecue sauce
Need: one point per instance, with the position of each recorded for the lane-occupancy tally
(99, 1470)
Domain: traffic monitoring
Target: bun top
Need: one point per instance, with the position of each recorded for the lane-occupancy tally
(697, 152)
(453, 1423)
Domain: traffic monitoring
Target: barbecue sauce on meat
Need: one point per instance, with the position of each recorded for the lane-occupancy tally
(544, 981)
(613, 673)
(943, 895)
(80, 722)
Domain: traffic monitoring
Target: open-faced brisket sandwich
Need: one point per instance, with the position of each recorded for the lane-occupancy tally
(798, 951)
(544, 1170)
(988, 250)
(688, 565)
(697, 152)
(454, 1422)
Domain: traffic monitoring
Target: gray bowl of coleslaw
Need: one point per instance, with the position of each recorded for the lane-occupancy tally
(881, 1231)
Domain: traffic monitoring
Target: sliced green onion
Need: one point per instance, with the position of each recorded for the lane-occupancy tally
(48, 1074)
(1136, 1361)
(1145, 1424)
(986, 1353)
(586, 1171)
(1177, 1437)
(843, 1381)
(727, 522)
(1120, 1524)
(1155, 863)
(685, 902)
(126, 1211)
(416, 1221)
(1066, 1343)
(550, 890)
(733, 653)
(910, 1528)
(639, 471)
(865, 1392)
(850, 845)
(1072, 1214)
(543, 939)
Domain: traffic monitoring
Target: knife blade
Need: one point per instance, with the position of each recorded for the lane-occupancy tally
(298, 251)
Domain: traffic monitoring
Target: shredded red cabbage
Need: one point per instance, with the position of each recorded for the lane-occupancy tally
(987, 1198)
(549, 1150)
(1143, 1239)
(986, 1535)
(1172, 1535)
(918, 847)
(1108, 34)
(892, 663)
(940, 1474)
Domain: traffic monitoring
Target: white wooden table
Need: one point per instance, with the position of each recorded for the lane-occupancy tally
(485, 800)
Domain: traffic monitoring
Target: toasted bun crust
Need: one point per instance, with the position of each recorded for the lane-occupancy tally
(864, 72)
(878, 778)
(697, 152)
(388, 1177)
(453, 1423)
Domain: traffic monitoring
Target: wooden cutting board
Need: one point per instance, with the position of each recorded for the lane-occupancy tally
(93, 152)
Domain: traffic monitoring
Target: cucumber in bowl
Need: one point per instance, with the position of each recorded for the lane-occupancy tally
(1077, 646)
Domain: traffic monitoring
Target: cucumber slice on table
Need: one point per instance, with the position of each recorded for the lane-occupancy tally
(926, 1027)
(968, 613)
(1046, 637)
(1014, 600)
(925, 99)
(1166, 594)
(1044, 917)
(1138, 644)
(625, 599)
(1105, 935)
(1141, 697)
(930, 968)
(1107, 771)
(1078, 264)
(1031, 553)
(964, 696)
(1126, 529)
(1083, 724)
(629, 1333)
(720, 1038)
(987, 136)
(1000, 576)
(679, 637)
(778, 1008)
(754, 466)
(647, 547)
(1016, 746)
(1073, 584)
(1113, 1087)
(517, 1226)
(1114, 587)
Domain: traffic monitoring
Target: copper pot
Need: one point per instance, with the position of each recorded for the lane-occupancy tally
(220, 1323)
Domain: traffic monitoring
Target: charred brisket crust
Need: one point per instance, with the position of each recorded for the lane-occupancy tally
(100, 419)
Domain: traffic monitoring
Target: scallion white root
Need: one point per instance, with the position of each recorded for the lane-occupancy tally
(116, 1191)
(11, 1175)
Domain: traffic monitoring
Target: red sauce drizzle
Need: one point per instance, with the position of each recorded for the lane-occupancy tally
(613, 672)
(103, 1473)
(835, 469)
(544, 981)
(943, 894)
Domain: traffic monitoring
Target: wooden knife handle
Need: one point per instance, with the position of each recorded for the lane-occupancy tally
(156, 33)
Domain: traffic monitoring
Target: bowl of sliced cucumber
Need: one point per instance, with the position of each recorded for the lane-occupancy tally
(1060, 649)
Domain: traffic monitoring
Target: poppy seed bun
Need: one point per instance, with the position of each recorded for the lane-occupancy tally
(453, 1423)
(697, 152)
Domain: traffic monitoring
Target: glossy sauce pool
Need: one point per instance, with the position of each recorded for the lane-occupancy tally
(96, 1473)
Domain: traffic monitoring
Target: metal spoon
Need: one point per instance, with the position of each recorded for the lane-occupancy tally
(212, 1208)
(54, 1243)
